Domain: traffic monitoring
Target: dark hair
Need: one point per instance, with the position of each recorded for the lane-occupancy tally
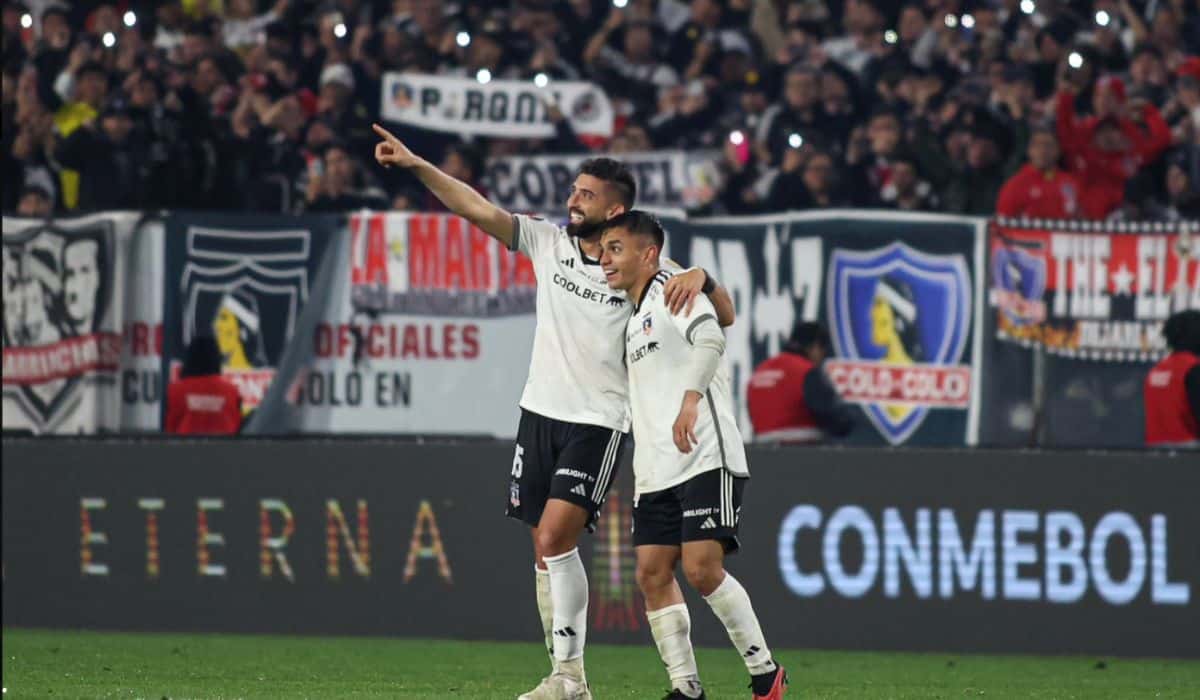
(805, 334)
(1182, 331)
(614, 173)
(638, 223)
(203, 357)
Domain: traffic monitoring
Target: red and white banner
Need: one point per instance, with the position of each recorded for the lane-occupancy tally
(938, 386)
(426, 327)
(1093, 290)
(64, 302)
(96, 352)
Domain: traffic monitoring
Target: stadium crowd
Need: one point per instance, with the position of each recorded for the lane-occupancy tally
(1047, 108)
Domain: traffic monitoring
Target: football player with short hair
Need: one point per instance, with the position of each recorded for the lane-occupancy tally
(575, 406)
(689, 463)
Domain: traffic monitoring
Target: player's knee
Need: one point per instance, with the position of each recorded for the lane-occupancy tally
(551, 542)
(704, 575)
(652, 578)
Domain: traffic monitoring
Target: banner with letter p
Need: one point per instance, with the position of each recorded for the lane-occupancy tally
(508, 108)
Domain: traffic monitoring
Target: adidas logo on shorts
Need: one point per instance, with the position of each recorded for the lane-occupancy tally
(708, 524)
(579, 490)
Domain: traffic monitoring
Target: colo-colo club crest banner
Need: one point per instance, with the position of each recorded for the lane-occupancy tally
(900, 295)
(243, 280)
(63, 312)
(1092, 290)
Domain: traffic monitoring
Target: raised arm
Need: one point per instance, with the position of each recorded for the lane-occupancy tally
(458, 196)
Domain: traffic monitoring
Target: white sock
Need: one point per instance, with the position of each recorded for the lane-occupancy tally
(569, 597)
(672, 629)
(546, 611)
(731, 604)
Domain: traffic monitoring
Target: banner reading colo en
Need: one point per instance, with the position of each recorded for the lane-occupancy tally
(423, 324)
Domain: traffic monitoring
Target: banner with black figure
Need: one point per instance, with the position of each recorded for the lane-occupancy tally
(900, 295)
(64, 306)
(244, 280)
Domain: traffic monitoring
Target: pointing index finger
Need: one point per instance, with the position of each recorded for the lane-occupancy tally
(384, 133)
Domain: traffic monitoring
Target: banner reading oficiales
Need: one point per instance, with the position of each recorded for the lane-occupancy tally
(508, 108)
(1093, 291)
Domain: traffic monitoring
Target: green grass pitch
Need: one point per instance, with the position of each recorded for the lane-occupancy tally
(46, 664)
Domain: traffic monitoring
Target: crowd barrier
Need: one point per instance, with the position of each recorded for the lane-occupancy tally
(995, 333)
(848, 548)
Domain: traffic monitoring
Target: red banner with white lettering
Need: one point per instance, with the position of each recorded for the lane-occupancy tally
(1092, 291)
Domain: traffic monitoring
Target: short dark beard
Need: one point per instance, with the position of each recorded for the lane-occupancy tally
(584, 229)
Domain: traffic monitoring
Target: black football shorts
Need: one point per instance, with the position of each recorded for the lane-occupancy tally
(705, 507)
(570, 461)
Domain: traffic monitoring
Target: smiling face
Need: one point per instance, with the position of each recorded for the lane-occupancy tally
(626, 258)
(592, 202)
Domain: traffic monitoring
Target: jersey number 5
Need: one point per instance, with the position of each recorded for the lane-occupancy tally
(517, 463)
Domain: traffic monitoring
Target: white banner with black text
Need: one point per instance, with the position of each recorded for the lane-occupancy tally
(506, 108)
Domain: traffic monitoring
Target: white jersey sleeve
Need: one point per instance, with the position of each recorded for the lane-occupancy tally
(532, 235)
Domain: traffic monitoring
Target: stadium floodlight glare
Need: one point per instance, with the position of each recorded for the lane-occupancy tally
(541, 80)
(109, 39)
(1028, 7)
(1103, 18)
(736, 137)
(795, 140)
(484, 76)
(890, 36)
(463, 39)
(26, 20)
(1075, 60)
(339, 30)
(130, 18)
(951, 21)
(968, 21)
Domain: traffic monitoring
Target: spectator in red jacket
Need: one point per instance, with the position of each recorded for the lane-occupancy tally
(790, 398)
(201, 401)
(1040, 190)
(1107, 148)
(1172, 389)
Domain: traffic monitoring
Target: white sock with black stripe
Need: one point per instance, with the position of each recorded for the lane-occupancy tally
(569, 595)
(732, 606)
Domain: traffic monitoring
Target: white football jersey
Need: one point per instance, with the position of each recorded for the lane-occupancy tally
(575, 372)
(658, 347)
